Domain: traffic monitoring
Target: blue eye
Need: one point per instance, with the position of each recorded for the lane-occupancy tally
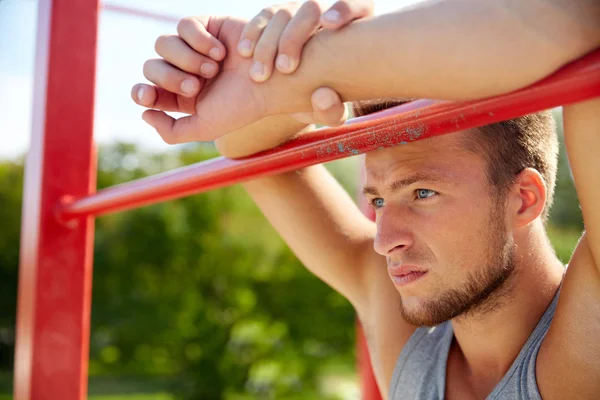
(425, 193)
(377, 203)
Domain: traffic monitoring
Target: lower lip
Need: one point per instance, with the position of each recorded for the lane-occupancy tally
(403, 280)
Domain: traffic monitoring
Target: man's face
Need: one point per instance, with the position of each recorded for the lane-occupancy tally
(441, 228)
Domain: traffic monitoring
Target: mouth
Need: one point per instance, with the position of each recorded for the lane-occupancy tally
(406, 274)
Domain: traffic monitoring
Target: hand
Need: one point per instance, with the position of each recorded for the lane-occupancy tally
(210, 102)
(216, 106)
(283, 30)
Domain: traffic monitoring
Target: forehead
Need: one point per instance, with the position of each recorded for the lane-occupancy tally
(445, 155)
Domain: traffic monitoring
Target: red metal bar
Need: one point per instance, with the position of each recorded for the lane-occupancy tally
(578, 81)
(368, 383)
(53, 314)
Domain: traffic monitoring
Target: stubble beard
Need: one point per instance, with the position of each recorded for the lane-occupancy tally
(483, 291)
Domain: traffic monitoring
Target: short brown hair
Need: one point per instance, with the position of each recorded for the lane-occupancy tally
(508, 146)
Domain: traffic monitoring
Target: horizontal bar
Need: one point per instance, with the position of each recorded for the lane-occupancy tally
(417, 120)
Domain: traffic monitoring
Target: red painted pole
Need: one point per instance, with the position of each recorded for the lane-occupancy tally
(414, 121)
(53, 315)
(368, 383)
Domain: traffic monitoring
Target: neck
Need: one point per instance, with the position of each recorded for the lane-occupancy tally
(487, 344)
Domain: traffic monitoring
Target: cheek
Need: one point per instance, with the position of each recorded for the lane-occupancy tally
(456, 236)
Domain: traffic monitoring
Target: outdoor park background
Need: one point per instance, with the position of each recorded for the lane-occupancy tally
(196, 298)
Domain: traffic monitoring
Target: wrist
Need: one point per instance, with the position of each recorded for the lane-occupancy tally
(259, 136)
(291, 93)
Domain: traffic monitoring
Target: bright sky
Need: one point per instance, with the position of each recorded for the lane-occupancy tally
(125, 42)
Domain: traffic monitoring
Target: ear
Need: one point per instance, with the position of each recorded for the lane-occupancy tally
(527, 197)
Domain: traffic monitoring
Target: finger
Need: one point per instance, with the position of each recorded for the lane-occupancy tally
(144, 95)
(193, 31)
(252, 31)
(158, 98)
(328, 108)
(345, 11)
(172, 79)
(176, 52)
(266, 47)
(296, 34)
(171, 130)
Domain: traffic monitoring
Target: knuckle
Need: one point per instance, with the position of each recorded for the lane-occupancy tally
(342, 6)
(168, 139)
(190, 63)
(147, 67)
(284, 14)
(263, 51)
(252, 31)
(311, 7)
(290, 43)
(185, 24)
(267, 13)
(161, 43)
(256, 26)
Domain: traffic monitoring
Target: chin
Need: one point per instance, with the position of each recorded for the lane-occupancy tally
(418, 311)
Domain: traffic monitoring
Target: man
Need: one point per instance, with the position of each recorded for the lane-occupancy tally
(459, 243)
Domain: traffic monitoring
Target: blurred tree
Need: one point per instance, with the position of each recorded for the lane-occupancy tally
(202, 289)
(565, 213)
(11, 188)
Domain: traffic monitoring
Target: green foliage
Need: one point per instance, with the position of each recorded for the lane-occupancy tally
(566, 213)
(11, 188)
(203, 290)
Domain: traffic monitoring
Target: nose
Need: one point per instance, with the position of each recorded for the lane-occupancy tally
(393, 235)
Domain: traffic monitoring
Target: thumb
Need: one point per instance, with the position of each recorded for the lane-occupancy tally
(328, 108)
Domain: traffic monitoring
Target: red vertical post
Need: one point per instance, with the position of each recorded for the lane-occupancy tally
(369, 388)
(54, 297)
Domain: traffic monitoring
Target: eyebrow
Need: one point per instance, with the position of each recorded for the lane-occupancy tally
(402, 183)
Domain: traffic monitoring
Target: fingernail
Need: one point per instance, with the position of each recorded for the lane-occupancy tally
(208, 70)
(215, 53)
(245, 47)
(140, 94)
(283, 62)
(188, 86)
(258, 70)
(324, 102)
(332, 16)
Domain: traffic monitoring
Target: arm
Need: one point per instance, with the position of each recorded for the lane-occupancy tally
(321, 224)
(443, 49)
(327, 232)
(453, 49)
(310, 210)
(571, 347)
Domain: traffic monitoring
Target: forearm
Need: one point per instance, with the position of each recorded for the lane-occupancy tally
(445, 49)
(582, 139)
(309, 209)
(261, 135)
(320, 223)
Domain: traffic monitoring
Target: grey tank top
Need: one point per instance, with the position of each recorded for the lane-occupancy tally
(420, 372)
